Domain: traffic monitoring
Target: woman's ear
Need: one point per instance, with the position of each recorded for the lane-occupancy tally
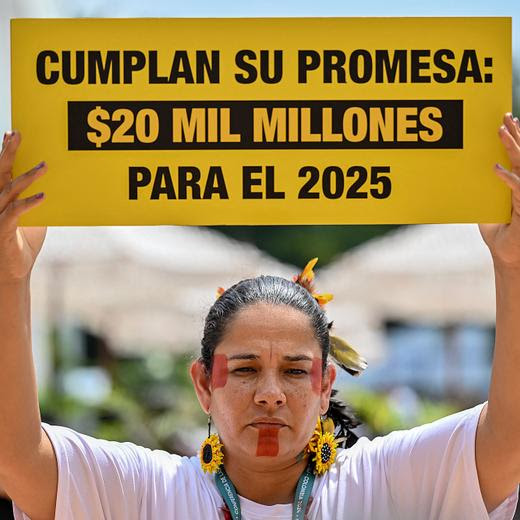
(201, 383)
(326, 387)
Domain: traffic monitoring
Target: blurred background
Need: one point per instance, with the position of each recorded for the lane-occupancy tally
(118, 312)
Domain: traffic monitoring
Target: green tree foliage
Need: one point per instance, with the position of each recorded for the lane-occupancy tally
(379, 416)
(297, 244)
(152, 403)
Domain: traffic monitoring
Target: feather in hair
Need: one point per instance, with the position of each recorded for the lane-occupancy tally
(346, 357)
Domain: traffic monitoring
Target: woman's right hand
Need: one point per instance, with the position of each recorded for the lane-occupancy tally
(19, 246)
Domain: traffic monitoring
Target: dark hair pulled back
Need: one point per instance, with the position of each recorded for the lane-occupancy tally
(276, 291)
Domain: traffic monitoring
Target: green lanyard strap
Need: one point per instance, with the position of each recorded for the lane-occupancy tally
(303, 494)
(228, 492)
(301, 498)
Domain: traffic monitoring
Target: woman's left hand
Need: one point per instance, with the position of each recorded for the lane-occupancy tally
(503, 240)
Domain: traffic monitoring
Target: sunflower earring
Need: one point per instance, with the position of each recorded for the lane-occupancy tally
(323, 446)
(210, 454)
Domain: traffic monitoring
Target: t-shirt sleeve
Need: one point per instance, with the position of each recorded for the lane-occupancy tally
(96, 478)
(433, 468)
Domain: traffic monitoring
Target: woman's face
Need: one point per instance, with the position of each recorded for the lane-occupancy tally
(266, 388)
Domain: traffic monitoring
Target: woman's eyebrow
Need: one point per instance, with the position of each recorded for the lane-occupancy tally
(299, 357)
(243, 356)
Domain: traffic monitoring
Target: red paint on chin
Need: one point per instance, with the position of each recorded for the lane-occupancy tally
(267, 442)
(219, 372)
(316, 375)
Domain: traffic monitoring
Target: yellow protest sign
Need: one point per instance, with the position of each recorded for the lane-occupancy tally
(263, 121)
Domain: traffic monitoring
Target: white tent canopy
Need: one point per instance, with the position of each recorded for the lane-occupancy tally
(141, 286)
(439, 273)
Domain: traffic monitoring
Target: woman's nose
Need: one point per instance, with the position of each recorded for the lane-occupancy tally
(269, 391)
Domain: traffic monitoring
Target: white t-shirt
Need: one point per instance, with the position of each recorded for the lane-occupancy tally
(427, 472)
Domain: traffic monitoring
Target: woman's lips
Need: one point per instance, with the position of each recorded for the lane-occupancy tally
(265, 425)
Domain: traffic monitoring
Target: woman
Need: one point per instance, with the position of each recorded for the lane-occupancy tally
(265, 379)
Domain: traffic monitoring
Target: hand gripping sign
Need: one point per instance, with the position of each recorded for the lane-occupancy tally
(263, 121)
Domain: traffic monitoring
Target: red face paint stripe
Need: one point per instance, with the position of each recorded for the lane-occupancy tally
(267, 442)
(316, 375)
(219, 372)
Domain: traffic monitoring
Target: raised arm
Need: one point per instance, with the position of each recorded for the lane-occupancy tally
(498, 433)
(28, 472)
